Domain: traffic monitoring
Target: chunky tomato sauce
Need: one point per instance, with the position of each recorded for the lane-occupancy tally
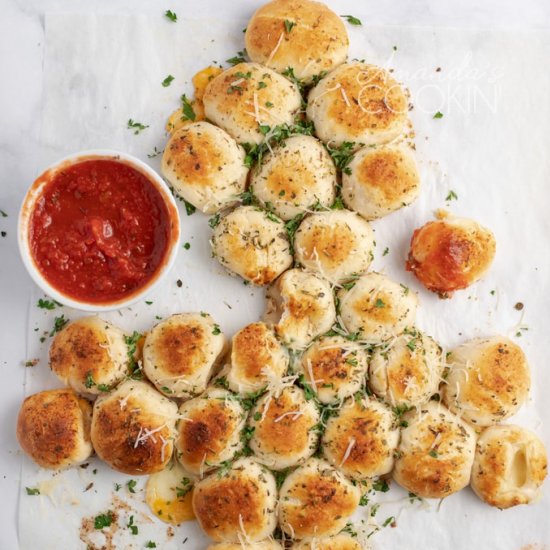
(99, 231)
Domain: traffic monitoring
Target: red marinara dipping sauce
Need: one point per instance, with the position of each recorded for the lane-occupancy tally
(99, 231)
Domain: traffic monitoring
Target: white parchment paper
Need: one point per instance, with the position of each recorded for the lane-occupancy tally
(491, 148)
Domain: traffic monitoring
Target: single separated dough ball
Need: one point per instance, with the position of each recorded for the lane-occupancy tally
(262, 545)
(284, 428)
(209, 430)
(406, 371)
(252, 244)
(205, 166)
(509, 467)
(334, 367)
(342, 541)
(450, 254)
(237, 503)
(316, 500)
(304, 35)
(488, 380)
(257, 358)
(181, 353)
(248, 96)
(436, 452)
(301, 306)
(90, 355)
(298, 175)
(133, 428)
(361, 439)
(377, 308)
(335, 244)
(357, 103)
(53, 428)
(380, 181)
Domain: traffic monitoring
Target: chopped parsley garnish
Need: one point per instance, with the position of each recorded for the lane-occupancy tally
(352, 20)
(291, 227)
(89, 380)
(184, 487)
(189, 208)
(239, 58)
(136, 126)
(133, 367)
(386, 251)
(381, 485)
(32, 491)
(3, 214)
(132, 526)
(364, 500)
(187, 246)
(48, 304)
(131, 484)
(167, 81)
(103, 520)
(246, 75)
(216, 330)
(257, 416)
(342, 156)
(222, 382)
(439, 114)
(187, 109)
(148, 302)
(411, 344)
(58, 324)
(155, 153)
(306, 386)
(433, 453)
(338, 203)
(379, 303)
(389, 520)
(171, 15)
(214, 221)
(405, 288)
(452, 196)
(118, 486)
(289, 25)
(261, 85)
(150, 544)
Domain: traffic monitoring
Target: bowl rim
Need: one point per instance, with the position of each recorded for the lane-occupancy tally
(35, 191)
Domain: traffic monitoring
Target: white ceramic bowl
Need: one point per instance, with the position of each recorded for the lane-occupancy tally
(34, 193)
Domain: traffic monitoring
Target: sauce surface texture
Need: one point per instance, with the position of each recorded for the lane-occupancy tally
(99, 231)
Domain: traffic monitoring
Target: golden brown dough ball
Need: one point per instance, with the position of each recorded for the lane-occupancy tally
(488, 380)
(237, 503)
(296, 176)
(316, 500)
(509, 467)
(304, 35)
(253, 244)
(334, 368)
(90, 355)
(335, 244)
(301, 307)
(406, 371)
(181, 353)
(450, 254)
(436, 452)
(377, 308)
(133, 428)
(284, 428)
(360, 440)
(249, 96)
(357, 103)
(256, 358)
(209, 430)
(380, 181)
(53, 428)
(205, 166)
